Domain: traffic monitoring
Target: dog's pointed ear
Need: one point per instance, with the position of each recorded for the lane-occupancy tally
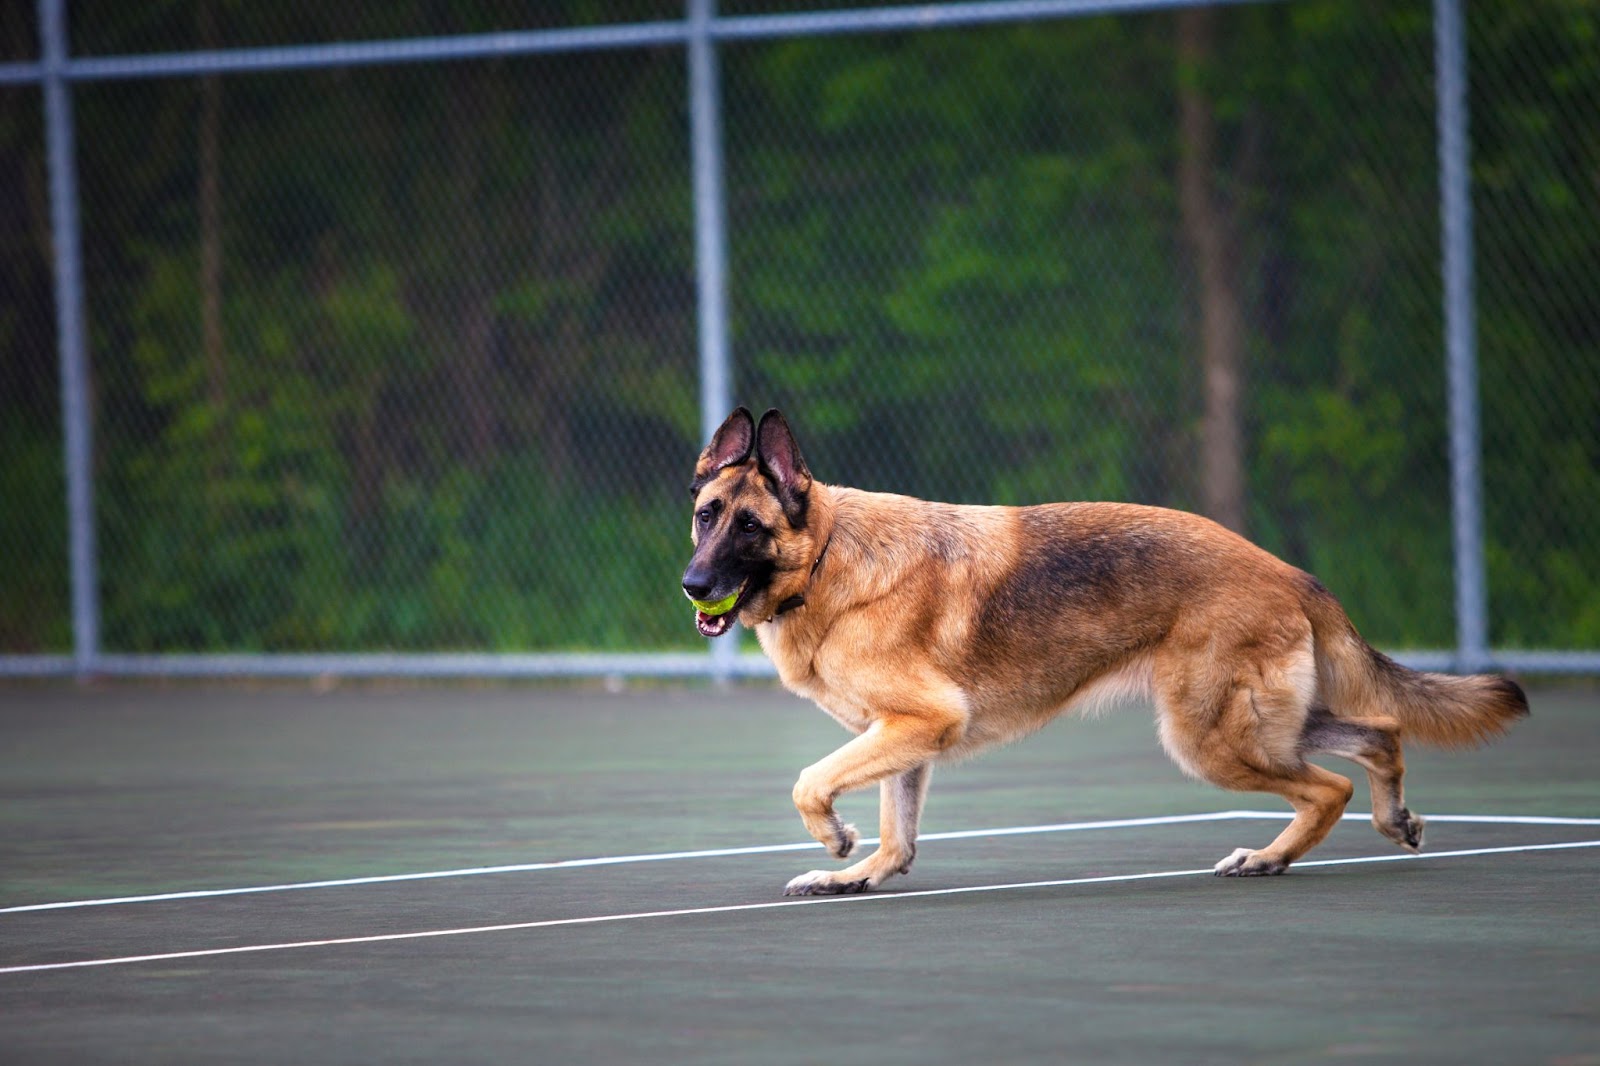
(780, 460)
(730, 445)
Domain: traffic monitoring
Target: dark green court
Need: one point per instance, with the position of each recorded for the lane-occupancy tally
(1491, 956)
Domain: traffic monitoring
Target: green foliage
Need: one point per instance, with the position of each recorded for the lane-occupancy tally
(1537, 157)
(34, 616)
(456, 399)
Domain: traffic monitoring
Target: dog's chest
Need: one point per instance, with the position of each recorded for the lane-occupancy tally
(802, 672)
(853, 714)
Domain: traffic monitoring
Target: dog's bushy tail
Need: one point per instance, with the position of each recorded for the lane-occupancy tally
(1357, 680)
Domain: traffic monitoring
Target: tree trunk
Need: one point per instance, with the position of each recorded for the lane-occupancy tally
(475, 98)
(210, 212)
(1209, 232)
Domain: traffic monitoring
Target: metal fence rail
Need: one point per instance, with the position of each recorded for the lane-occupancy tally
(701, 36)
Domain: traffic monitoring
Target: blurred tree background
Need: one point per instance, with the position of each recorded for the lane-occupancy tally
(405, 356)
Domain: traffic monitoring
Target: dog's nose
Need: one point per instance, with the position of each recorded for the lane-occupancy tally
(697, 587)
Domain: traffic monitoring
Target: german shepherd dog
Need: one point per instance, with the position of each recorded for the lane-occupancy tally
(933, 630)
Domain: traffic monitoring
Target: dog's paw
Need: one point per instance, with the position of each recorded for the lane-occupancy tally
(824, 883)
(1404, 828)
(844, 840)
(1246, 863)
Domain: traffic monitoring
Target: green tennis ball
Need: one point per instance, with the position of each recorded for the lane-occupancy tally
(714, 608)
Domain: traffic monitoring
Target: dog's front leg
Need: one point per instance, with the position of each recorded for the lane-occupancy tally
(894, 751)
(899, 810)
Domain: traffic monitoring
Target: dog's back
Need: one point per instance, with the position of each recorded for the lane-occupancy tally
(1024, 607)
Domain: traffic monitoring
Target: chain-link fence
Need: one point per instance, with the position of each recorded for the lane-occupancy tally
(405, 347)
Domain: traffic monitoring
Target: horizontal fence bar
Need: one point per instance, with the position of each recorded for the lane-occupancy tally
(581, 664)
(1537, 661)
(375, 53)
(938, 16)
(21, 73)
(392, 664)
(578, 39)
(37, 666)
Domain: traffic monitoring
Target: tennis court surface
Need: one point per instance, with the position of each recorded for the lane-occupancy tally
(548, 875)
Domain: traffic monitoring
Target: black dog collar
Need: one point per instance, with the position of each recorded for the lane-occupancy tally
(799, 600)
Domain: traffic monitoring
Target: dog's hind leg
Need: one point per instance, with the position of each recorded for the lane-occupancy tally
(1375, 744)
(1318, 797)
(1237, 722)
(900, 801)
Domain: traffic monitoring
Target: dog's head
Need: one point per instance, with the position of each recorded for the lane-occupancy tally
(753, 548)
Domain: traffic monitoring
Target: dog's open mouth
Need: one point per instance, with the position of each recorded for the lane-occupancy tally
(720, 619)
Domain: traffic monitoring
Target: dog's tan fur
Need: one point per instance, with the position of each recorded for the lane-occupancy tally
(934, 630)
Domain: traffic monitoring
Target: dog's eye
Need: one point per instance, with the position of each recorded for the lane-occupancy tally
(704, 516)
(750, 525)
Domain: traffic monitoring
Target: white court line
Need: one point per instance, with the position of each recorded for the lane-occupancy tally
(760, 849)
(614, 860)
(737, 907)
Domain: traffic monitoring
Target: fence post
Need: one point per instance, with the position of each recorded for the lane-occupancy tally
(711, 250)
(1461, 355)
(75, 415)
